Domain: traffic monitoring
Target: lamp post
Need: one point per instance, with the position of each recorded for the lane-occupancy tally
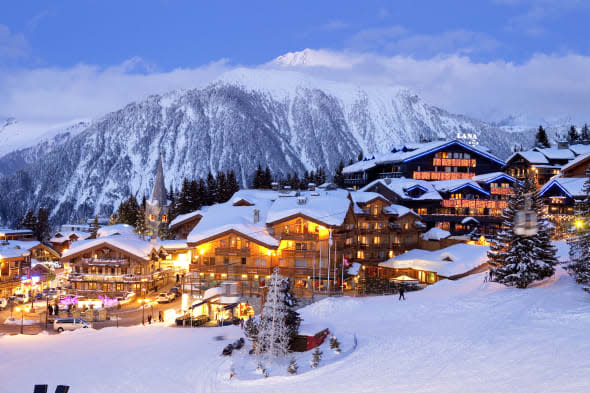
(142, 302)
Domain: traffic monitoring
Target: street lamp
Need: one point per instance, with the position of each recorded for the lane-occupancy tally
(22, 317)
(143, 302)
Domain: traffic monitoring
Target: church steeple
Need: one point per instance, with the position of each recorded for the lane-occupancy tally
(159, 193)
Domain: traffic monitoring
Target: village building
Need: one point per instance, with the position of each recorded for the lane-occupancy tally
(429, 267)
(438, 160)
(15, 234)
(114, 265)
(461, 206)
(183, 224)
(15, 263)
(62, 240)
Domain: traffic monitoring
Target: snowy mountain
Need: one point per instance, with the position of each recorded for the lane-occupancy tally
(286, 120)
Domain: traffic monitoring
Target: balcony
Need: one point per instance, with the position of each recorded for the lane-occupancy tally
(354, 181)
(103, 262)
(232, 252)
(299, 236)
(389, 175)
(112, 277)
(300, 253)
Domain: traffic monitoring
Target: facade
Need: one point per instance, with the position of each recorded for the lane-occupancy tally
(184, 223)
(560, 196)
(114, 266)
(14, 264)
(302, 233)
(440, 160)
(157, 207)
(459, 206)
(63, 240)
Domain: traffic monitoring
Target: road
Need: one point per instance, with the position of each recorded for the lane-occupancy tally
(129, 315)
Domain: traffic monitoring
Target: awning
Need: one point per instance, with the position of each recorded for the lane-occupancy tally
(230, 306)
(198, 304)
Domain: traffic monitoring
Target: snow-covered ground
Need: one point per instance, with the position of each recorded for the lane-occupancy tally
(454, 336)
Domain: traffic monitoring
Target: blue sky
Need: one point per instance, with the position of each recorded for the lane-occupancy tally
(84, 43)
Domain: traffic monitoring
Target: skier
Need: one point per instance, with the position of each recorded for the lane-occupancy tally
(401, 293)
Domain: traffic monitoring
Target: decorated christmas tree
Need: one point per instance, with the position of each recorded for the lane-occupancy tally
(292, 369)
(335, 344)
(317, 356)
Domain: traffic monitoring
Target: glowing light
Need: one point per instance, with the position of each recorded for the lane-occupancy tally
(184, 302)
(244, 276)
(579, 224)
(202, 251)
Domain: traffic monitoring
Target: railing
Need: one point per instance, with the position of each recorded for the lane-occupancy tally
(355, 181)
(230, 251)
(112, 277)
(299, 236)
(100, 261)
(388, 175)
(300, 253)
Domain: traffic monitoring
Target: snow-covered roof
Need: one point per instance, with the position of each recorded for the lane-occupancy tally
(23, 244)
(410, 151)
(8, 251)
(128, 243)
(533, 157)
(181, 218)
(328, 208)
(224, 217)
(456, 184)
(435, 234)
(447, 262)
(571, 186)
(10, 231)
(580, 149)
(121, 229)
(399, 210)
(491, 177)
(65, 236)
(576, 161)
(554, 153)
(174, 244)
(365, 196)
(400, 186)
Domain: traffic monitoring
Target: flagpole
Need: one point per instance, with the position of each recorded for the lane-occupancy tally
(335, 263)
(313, 277)
(320, 273)
(329, 261)
(342, 281)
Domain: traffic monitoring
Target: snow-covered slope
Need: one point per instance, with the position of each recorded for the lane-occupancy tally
(283, 119)
(462, 336)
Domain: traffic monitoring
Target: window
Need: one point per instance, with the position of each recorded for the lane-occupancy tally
(91, 285)
(376, 240)
(119, 287)
(152, 217)
(261, 262)
(209, 261)
(422, 210)
(375, 210)
(300, 263)
(243, 261)
(348, 241)
(360, 254)
(226, 260)
(164, 218)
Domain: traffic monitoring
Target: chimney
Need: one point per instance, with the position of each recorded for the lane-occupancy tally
(274, 185)
(562, 144)
(311, 186)
(256, 216)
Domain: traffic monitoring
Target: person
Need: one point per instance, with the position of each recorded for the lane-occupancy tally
(161, 316)
(56, 309)
(49, 309)
(177, 278)
(149, 319)
(242, 323)
(491, 275)
(401, 293)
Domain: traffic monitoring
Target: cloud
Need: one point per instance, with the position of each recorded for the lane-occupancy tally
(12, 45)
(399, 40)
(36, 20)
(545, 86)
(335, 25)
(54, 95)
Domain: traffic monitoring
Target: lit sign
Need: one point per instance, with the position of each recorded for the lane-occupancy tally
(501, 190)
(443, 175)
(474, 204)
(453, 162)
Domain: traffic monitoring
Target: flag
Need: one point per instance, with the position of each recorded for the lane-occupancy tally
(345, 262)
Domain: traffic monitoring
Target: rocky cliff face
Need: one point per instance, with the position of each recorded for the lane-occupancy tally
(282, 119)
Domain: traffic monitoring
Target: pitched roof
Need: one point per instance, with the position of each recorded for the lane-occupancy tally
(65, 236)
(159, 193)
(130, 244)
(401, 186)
(457, 184)
(121, 229)
(571, 186)
(531, 156)
(575, 162)
(182, 218)
(554, 153)
(491, 177)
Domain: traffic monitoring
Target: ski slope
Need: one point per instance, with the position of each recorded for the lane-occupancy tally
(462, 336)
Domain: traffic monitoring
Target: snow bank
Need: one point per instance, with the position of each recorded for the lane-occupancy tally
(436, 234)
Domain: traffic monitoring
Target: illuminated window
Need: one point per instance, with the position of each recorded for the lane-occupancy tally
(164, 218)
(422, 210)
(152, 217)
(376, 240)
(360, 254)
(375, 210)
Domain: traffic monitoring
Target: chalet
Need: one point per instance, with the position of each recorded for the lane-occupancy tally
(15, 263)
(63, 240)
(183, 224)
(560, 195)
(439, 160)
(579, 167)
(15, 234)
(429, 267)
(299, 232)
(114, 265)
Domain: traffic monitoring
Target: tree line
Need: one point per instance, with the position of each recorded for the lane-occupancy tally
(263, 179)
(37, 223)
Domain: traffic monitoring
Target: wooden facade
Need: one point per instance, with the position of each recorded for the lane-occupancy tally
(13, 265)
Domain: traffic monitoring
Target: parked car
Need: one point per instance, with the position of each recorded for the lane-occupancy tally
(22, 298)
(175, 291)
(194, 321)
(3, 303)
(62, 324)
(164, 297)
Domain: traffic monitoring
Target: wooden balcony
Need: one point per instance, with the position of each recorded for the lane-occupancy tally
(103, 262)
(79, 277)
(300, 253)
(232, 252)
(299, 236)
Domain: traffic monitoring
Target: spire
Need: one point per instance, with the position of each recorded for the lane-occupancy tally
(159, 194)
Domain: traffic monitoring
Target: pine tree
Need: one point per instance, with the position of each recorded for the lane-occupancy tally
(140, 226)
(212, 190)
(164, 231)
(317, 356)
(251, 329)
(202, 192)
(541, 139)
(585, 135)
(361, 156)
(579, 263)
(29, 221)
(338, 178)
(520, 260)
(232, 184)
(573, 135)
(184, 199)
(295, 182)
(94, 227)
(194, 199)
(267, 179)
(292, 317)
(42, 230)
(292, 369)
(257, 178)
(273, 333)
(222, 193)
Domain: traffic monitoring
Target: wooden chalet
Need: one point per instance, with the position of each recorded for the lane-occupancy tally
(14, 264)
(439, 160)
(15, 234)
(63, 240)
(184, 224)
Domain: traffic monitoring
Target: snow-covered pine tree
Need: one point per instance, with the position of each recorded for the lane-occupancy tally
(541, 139)
(520, 260)
(335, 344)
(273, 333)
(293, 367)
(251, 329)
(94, 227)
(292, 318)
(317, 356)
(579, 253)
(140, 227)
